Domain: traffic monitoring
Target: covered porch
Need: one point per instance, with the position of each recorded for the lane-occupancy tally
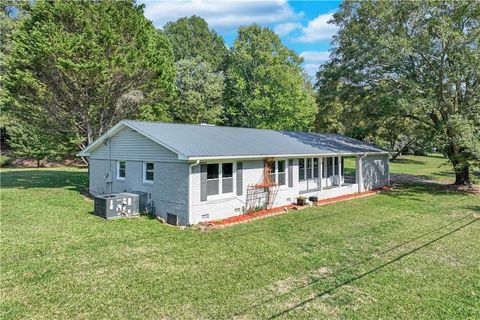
(328, 176)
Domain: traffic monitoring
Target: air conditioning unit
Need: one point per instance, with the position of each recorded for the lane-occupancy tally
(117, 205)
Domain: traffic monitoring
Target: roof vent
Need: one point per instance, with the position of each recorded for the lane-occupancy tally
(207, 124)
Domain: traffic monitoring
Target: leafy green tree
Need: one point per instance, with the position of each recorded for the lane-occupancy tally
(199, 93)
(84, 65)
(191, 38)
(265, 84)
(11, 13)
(40, 144)
(414, 60)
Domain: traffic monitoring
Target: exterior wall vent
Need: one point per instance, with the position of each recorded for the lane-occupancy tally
(172, 219)
(205, 216)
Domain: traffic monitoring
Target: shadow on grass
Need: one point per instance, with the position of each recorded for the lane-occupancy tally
(376, 255)
(407, 161)
(369, 272)
(25, 179)
(416, 191)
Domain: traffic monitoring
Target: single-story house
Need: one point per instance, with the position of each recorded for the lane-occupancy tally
(198, 173)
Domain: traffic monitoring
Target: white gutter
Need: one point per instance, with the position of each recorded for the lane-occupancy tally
(190, 167)
(284, 155)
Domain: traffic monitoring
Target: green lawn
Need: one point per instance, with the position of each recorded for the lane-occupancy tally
(433, 167)
(409, 253)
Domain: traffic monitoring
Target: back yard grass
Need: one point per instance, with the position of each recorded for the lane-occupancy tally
(408, 253)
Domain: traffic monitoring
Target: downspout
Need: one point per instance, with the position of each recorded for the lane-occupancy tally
(110, 160)
(360, 175)
(190, 169)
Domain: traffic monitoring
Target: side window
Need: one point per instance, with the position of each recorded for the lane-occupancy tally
(148, 171)
(301, 169)
(212, 179)
(271, 165)
(281, 172)
(309, 168)
(227, 177)
(315, 167)
(121, 170)
(329, 166)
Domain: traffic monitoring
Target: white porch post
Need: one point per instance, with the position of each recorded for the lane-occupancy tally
(320, 172)
(339, 171)
(333, 171)
(325, 169)
(358, 171)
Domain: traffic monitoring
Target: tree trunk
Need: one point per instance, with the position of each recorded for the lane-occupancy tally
(462, 175)
(460, 166)
(38, 163)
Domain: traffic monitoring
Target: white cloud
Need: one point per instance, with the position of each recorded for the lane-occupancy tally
(315, 56)
(220, 15)
(313, 60)
(311, 69)
(284, 29)
(318, 29)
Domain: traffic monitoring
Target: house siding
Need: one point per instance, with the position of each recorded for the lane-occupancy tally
(215, 208)
(176, 191)
(375, 171)
(169, 190)
(128, 144)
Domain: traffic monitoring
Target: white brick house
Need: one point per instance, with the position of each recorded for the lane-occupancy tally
(201, 173)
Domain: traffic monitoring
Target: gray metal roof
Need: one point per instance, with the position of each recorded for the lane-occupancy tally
(194, 141)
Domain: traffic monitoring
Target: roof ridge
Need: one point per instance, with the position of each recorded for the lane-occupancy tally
(217, 126)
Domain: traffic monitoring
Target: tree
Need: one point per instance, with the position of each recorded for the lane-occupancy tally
(28, 141)
(199, 93)
(81, 66)
(265, 84)
(413, 60)
(191, 38)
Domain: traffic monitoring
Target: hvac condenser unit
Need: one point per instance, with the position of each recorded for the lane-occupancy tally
(116, 205)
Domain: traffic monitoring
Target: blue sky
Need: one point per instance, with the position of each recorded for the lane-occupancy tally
(302, 25)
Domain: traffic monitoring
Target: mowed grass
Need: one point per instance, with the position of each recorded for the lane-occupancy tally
(431, 167)
(409, 253)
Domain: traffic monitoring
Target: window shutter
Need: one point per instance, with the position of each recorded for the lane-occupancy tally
(290, 173)
(203, 182)
(239, 178)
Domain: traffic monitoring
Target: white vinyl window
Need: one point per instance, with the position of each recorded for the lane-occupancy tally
(121, 170)
(277, 172)
(301, 169)
(281, 172)
(148, 172)
(308, 168)
(219, 178)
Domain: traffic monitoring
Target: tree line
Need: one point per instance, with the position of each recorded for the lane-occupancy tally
(402, 75)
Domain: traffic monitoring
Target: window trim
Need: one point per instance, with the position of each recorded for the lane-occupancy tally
(220, 194)
(118, 170)
(277, 172)
(312, 169)
(145, 172)
(304, 170)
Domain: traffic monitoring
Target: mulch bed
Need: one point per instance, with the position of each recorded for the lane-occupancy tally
(248, 217)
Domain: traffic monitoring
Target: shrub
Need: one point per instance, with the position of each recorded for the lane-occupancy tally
(5, 161)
